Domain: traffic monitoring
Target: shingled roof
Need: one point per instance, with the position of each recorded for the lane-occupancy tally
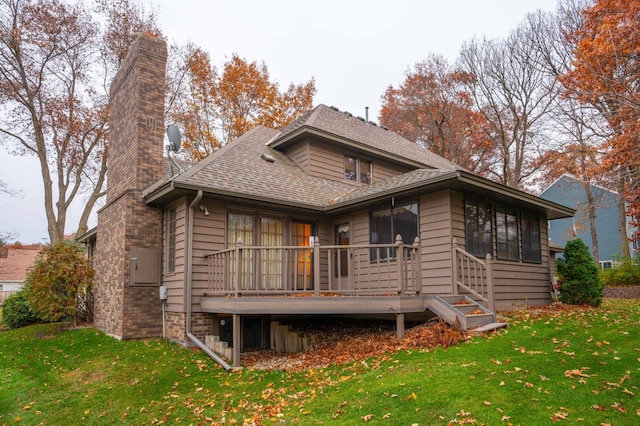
(243, 168)
(253, 167)
(366, 135)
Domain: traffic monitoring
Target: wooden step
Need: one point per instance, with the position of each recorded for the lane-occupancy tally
(221, 348)
(461, 311)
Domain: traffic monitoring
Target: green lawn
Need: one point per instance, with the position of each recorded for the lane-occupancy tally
(564, 365)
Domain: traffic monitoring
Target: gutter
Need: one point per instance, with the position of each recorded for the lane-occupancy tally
(188, 283)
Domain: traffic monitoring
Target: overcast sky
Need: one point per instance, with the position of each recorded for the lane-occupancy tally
(353, 49)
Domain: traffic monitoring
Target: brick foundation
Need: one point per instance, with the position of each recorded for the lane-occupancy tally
(176, 325)
(627, 292)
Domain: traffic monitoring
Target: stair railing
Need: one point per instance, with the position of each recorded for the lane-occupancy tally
(472, 275)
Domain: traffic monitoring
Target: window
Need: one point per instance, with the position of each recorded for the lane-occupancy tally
(240, 229)
(531, 249)
(386, 223)
(358, 169)
(171, 240)
(271, 234)
(342, 256)
(351, 167)
(507, 234)
(477, 218)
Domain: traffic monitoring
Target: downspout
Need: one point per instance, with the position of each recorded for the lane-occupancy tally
(188, 282)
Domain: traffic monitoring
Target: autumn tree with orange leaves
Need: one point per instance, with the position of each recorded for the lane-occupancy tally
(433, 108)
(212, 110)
(605, 73)
(50, 54)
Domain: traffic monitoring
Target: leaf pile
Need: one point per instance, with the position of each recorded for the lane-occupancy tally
(344, 341)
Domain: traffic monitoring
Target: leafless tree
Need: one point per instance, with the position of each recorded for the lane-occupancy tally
(515, 97)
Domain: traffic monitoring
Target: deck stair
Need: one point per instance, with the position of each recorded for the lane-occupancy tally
(465, 313)
(283, 339)
(218, 346)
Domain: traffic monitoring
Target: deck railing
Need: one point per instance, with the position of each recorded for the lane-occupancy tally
(472, 275)
(320, 270)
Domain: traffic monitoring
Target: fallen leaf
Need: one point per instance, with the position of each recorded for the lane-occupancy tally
(367, 417)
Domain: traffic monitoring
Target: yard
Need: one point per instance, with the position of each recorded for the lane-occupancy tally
(559, 364)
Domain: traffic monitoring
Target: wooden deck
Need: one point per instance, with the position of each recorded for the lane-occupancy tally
(315, 305)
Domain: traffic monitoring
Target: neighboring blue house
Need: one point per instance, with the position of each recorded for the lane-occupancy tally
(568, 191)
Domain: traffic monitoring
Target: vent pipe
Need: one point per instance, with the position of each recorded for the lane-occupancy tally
(366, 113)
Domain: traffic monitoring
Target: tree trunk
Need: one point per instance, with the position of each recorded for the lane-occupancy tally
(591, 214)
(622, 210)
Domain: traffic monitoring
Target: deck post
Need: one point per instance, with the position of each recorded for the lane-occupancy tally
(417, 264)
(238, 267)
(490, 294)
(237, 331)
(400, 263)
(316, 266)
(400, 325)
(454, 266)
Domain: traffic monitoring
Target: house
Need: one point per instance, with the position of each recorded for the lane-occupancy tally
(331, 215)
(569, 191)
(14, 266)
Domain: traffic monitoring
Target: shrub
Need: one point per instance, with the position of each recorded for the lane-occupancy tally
(59, 276)
(17, 313)
(625, 272)
(578, 276)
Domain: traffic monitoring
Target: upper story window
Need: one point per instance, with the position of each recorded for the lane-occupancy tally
(358, 169)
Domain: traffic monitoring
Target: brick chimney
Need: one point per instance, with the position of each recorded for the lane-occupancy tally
(129, 239)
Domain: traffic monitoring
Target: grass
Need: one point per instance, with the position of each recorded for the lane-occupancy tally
(566, 365)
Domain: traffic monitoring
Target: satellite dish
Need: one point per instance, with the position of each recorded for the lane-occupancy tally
(175, 139)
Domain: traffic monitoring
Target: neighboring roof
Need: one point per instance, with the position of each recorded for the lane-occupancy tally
(14, 267)
(343, 127)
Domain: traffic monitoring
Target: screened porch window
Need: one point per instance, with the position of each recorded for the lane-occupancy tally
(478, 230)
(531, 247)
(507, 234)
(386, 223)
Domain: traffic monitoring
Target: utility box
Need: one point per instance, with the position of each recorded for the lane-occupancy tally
(163, 292)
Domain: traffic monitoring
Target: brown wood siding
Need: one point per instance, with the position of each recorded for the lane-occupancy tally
(209, 234)
(435, 238)
(326, 161)
(175, 281)
(299, 153)
(519, 284)
(384, 170)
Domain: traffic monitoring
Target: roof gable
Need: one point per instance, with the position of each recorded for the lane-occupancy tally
(355, 132)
